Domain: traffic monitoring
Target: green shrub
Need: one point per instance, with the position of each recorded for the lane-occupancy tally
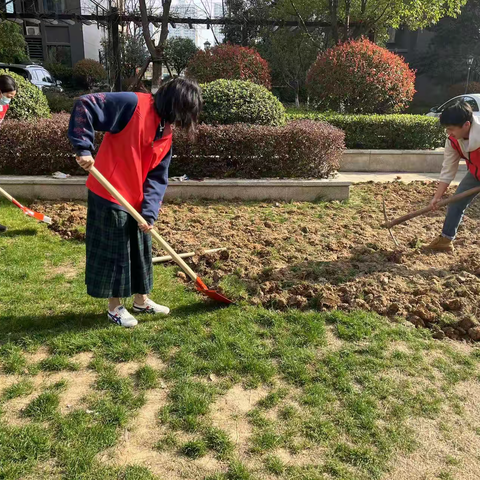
(296, 150)
(236, 101)
(29, 103)
(59, 102)
(88, 72)
(389, 132)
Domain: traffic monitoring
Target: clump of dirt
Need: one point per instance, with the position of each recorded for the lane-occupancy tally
(68, 218)
(328, 255)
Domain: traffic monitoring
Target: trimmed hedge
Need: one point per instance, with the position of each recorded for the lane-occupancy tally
(37, 148)
(382, 132)
(299, 149)
(235, 101)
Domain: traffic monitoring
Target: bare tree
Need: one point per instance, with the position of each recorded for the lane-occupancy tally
(156, 50)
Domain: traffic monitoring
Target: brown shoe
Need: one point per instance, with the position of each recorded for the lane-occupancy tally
(441, 244)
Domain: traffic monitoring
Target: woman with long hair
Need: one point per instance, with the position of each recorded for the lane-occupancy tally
(134, 156)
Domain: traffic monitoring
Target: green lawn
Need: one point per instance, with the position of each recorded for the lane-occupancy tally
(215, 393)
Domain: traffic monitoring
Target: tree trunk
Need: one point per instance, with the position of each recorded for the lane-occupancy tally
(157, 70)
(346, 31)
(139, 75)
(333, 5)
(297, 99)
(156, 51)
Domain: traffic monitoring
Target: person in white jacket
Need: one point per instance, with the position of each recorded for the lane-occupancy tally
(463, 141)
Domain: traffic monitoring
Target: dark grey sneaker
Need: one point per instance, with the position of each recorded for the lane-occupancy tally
(3, 228)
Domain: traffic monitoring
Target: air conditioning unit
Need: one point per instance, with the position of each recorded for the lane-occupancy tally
(33, 31)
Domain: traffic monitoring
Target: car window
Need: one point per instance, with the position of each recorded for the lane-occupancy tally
(19, 71)
(37, 74)
(448, 104)
(472, 102)
(46, 77)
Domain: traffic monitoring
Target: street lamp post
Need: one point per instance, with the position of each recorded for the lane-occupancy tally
(207, 45)
(470, 61)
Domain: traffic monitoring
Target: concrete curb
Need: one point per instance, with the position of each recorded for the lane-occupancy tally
(73, 188)
(407, 161)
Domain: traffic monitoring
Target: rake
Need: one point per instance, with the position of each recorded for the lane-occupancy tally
(200, 286)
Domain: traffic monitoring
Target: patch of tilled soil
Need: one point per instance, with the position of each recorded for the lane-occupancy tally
(328, 255)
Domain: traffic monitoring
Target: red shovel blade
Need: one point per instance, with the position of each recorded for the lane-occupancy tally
(201, 287)
(39, 216)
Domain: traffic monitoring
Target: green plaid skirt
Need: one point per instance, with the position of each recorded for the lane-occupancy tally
(119, 254)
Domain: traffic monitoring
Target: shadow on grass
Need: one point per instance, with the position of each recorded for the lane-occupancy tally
(197, 308)
(24, 232)
(14, 328)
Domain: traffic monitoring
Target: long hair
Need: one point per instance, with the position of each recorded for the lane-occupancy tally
(7, 84)
(179, 102)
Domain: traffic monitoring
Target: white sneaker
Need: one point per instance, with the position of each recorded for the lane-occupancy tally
(122, 317)
(150, 307)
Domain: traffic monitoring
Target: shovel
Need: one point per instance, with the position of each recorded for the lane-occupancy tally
(39, 216)
(200, 286)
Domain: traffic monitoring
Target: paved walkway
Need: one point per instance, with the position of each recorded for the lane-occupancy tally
(381, 177)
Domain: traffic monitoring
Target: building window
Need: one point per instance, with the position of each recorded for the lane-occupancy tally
(60, 54)
(58, 35)
(54, 6)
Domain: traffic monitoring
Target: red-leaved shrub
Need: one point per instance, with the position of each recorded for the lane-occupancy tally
(88, 72)
(361, 77)
(37, 148)
(230, 62)
(299, 149)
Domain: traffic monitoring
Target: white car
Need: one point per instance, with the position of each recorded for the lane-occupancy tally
(472, 98)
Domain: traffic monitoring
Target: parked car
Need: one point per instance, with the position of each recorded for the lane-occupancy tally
(473, 99)
(37, 75)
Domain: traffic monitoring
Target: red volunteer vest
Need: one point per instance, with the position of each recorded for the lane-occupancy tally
(473, 162)
(3, 111)
(125, 158)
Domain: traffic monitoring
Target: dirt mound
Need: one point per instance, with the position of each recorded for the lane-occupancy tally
(328, 255)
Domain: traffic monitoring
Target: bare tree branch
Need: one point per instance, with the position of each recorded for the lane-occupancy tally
(304, 26)
(146, 28)
(139, 75)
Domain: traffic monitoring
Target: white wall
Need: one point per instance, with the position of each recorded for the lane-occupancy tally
(92, 37)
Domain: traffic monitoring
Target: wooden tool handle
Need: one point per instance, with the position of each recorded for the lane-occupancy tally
(6, 194)
(167, 258)
(442, 203)
(113, 191)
